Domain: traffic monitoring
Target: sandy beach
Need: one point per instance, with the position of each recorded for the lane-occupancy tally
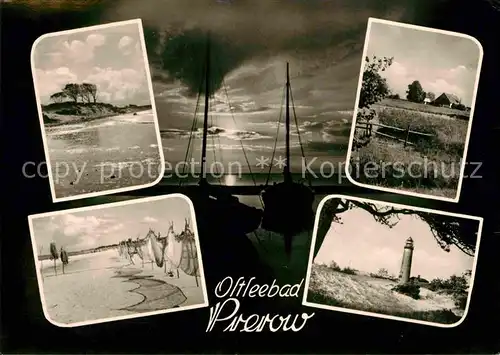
(103, 154)
(104, 285)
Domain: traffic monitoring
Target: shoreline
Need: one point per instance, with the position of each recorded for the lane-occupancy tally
(78, 120)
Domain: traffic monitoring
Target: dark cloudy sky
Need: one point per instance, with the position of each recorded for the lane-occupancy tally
(362, 243)
(251, 42)
(110, 57)
(322, 40)
(109, 225)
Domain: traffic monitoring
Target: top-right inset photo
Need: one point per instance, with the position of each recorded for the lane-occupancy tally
(414, 108)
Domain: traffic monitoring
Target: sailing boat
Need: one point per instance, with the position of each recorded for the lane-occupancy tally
(217, 211)
(288, 205)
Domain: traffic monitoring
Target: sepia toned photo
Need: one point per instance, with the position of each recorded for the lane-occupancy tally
(392, 261)
(414, 110)
(119, 260)
(97, 110)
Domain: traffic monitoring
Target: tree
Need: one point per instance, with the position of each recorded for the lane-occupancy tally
(382, 272)
(447, 230)
(72, 91)
(58, 97)
(89, 92)
(374, 88)
(415, 93)
(334, 266)
(430, 95)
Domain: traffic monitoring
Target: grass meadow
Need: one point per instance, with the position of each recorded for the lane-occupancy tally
(430, 166)
(368, 294)
(413, 106)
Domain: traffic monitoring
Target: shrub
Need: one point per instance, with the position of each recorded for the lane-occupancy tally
(350, 271)
(409, 289)
(47, 119)
(461, 301)
(382, 273)
(68, 111)
(455, 285)
(334, 266)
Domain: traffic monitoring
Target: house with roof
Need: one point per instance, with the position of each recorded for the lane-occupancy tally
(446, 100)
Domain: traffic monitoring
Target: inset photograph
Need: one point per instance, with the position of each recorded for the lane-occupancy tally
(97, 110)
(117, 261)
(392, 261)
(414, 108)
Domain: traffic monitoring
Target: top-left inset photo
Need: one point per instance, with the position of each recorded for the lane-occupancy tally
(97, 111)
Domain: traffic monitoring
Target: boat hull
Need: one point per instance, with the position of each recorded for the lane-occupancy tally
(288, 208)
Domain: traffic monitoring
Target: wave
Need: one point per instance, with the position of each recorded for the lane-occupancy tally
(231, 134)
(93, 149)
(83, 150)
(144, 117)
(127, 164)
(251, 147)
(138, 117)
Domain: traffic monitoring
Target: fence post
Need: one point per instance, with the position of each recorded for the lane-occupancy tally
(370, 130)
(407, 135)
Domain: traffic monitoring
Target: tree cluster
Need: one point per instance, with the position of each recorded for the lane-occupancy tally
(374, 88)
(84, 92)
(415, 92)
(457, 286)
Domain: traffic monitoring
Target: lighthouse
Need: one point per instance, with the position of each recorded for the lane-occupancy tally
(405, 273)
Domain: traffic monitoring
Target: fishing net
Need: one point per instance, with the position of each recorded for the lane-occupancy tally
(174, 251)
(146, 252)
(138, 251)
(157, 251)
(53, 251)
(64, 257)
(189, 259)
(181, 252)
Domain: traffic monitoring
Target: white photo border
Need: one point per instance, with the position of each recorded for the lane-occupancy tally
(380, 315)
(138, 22)
(372, 20)
(112, 205)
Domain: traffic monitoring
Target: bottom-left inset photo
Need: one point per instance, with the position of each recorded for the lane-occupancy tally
(119, 260)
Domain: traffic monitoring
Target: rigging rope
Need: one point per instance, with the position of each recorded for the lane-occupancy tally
(193, 126)
(276, 140)
(214, 145)
(241, 142)
(298, 134)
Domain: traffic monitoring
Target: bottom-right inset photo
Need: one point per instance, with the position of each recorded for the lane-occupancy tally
(392, 261)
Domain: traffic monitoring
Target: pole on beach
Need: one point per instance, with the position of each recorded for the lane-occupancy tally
(196, 279)
(41, 261)
(53, 253)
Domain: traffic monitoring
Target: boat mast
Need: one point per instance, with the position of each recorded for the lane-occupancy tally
(286, 171)
(203, 178)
